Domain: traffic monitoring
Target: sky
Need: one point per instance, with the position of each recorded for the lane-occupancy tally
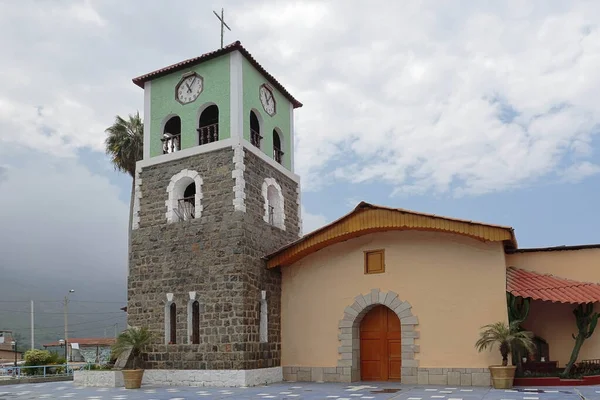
(486, 111)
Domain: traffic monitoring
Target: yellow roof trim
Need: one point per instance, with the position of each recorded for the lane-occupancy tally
(368, 218)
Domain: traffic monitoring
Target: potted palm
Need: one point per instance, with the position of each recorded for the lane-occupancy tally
(507, 337)
(134, 340)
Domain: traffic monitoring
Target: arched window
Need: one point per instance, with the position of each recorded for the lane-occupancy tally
(196, 322)
(208, 125)
(264, 322)
(185, 196)
(170, 322)
(172, 135)
(277, 152)
(273, 203)
(187, 204)
(255, 136)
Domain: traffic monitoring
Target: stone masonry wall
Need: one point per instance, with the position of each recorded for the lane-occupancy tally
(426, 376)
(218, 256)
(260, 240)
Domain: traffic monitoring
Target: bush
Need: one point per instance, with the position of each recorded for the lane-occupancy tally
(39, 358)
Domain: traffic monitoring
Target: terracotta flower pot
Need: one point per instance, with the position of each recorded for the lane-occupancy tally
(502, 377)
(133, 378)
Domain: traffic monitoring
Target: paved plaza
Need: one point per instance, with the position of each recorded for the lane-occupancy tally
(295, 391)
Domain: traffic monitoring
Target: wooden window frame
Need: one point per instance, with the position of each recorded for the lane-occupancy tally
(366, 258)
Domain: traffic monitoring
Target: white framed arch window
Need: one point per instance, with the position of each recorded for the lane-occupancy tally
(184, 196)
(193, 319)
(170, 320)
(274, 204)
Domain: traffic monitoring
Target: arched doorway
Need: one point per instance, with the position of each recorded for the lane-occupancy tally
(380, 345)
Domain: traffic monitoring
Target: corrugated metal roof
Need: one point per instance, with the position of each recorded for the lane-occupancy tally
(368, 218)
(214, 54)
(548, 287)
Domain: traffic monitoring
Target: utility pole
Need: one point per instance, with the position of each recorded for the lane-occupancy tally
(66, 312)
(116, 325)
(32, 329)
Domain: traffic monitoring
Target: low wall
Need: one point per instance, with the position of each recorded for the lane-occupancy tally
(422, 376)
(162, 377)
(11, 381)
(217, 378)
(98, 378)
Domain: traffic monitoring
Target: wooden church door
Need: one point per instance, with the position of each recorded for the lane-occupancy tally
(380, 345)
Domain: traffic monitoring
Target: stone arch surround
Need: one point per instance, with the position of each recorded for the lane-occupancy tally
(349, 331)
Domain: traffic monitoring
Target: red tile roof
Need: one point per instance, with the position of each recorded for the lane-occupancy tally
(86, 342)
(209, 56)
(548, 287)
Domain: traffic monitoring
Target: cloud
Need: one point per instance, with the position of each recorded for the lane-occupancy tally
(310, 222)
(61, 220)
(578, 172)
(421, 97)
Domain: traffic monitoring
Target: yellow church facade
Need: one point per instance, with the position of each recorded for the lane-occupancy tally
(441, 279)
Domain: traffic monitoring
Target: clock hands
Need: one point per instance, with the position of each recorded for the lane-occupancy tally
(189, 85)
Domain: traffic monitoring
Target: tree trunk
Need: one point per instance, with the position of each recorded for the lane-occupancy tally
(578, 343)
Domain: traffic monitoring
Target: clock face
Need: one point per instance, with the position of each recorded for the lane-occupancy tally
(189, 88)
(267, 100)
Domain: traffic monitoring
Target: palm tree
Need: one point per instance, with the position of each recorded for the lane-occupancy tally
(125, 146)
(506, 336)
(134, 339)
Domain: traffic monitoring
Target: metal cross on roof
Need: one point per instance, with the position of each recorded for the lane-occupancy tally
(223, 24)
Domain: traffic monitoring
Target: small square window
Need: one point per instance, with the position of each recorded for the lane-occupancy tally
(374, 261)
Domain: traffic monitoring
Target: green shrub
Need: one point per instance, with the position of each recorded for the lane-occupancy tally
(41, 357)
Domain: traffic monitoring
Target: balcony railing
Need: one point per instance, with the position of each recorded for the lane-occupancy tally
(171, 143)
(278, 155)
(255, 138)
(186, 208)
(208, 134)
(271, 215)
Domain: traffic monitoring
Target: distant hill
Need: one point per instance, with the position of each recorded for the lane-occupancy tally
(94, 307)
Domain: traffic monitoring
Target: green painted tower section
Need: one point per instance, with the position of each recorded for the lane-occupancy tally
(216, 74)
(163, 104)
(252, 81)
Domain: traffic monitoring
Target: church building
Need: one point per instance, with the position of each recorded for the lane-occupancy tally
(235, 295)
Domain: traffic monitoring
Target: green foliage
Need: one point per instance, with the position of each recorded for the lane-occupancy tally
(518, 308)
(39, 358)
(506, 337)
(124, 143)
(586, 320)
(134, 339)
(99, 367)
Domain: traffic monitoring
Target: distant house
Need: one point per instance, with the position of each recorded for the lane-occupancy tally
(7, 352)
(92, 350)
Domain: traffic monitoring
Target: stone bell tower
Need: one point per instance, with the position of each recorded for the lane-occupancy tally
(215, 193)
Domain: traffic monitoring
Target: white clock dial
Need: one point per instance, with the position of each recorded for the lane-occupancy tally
(267, 100)
(189, 88)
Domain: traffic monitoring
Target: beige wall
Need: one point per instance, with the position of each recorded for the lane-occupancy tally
(455, 285)
(555, 321)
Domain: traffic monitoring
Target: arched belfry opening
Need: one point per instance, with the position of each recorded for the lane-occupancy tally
(277, 151)
(171, 138)
(186, 206)
(185, 196)
(208, 125)
(255, 136)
